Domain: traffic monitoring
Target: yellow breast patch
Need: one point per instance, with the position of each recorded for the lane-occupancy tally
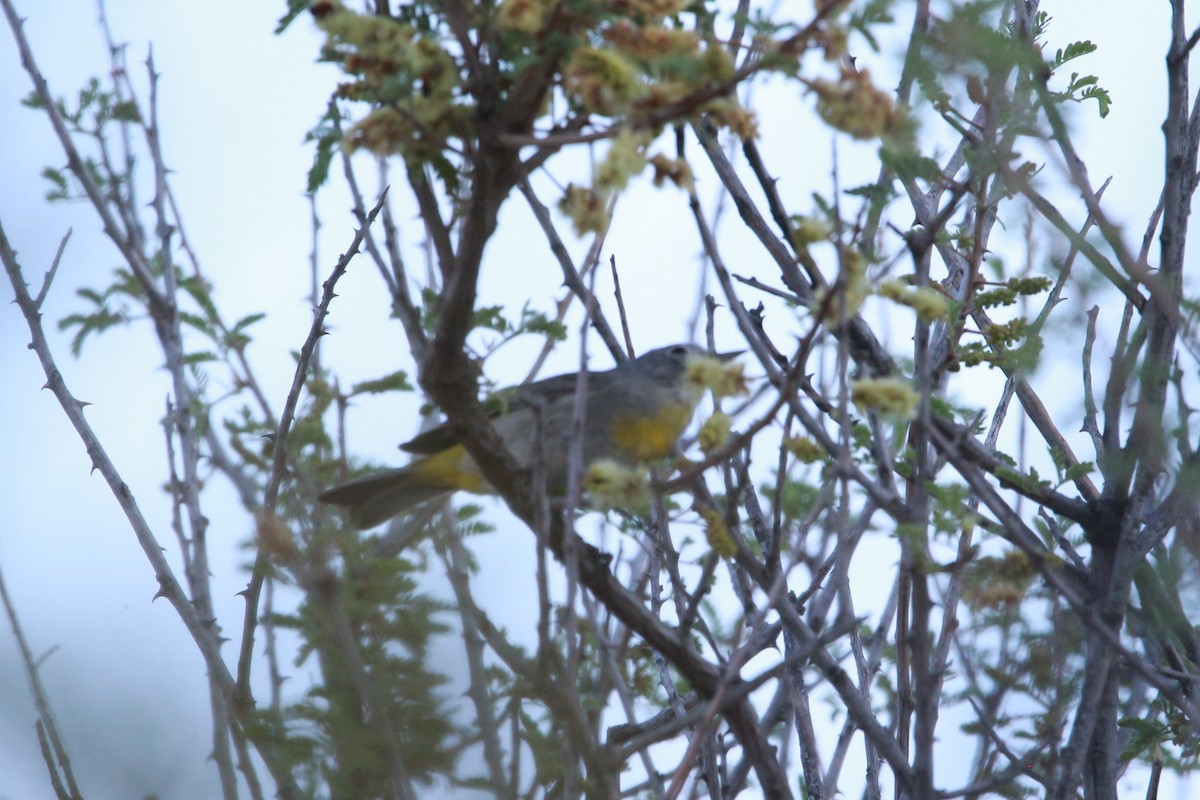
(648, 438)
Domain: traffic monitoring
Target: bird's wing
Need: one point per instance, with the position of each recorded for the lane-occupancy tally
(434, 440)
(529, 395)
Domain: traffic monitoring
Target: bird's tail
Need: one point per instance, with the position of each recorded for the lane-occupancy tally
(382, 495)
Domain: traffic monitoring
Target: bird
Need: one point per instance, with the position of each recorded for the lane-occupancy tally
(633, 414)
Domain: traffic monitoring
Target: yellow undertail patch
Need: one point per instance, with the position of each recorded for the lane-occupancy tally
(450, 469)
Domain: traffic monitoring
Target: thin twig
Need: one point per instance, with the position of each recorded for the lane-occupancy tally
(612, 263)
(54, 752)
(206, 639)
(253, 589)
(62, 246)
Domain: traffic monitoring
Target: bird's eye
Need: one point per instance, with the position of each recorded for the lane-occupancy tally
(678, 350)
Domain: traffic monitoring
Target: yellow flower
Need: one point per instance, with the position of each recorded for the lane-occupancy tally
(853, 104)
(805, 449)
(525, 15)
(655, 8)
(603, 80)
(893, 397)
(714, 433)
(809, 230)
(383, 132)
(849, 292)
(626, 157)
(717, 533)
(723, 379)
(928, 302)
(587, 208)
(610, 484)
(675, 170)
(727, 112)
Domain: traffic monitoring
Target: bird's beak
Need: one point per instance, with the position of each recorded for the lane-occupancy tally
(732, 354)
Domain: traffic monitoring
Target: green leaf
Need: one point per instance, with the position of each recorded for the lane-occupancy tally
(294, 9)
(394, 382)
(247, 321)
(192, 359)
(1078, 82)
(198, 291)
(538, 322)
(126, 111)
(429, 304)
(877, 193)
(199, 323)
(327, 133)
(447, 173)
(1146, 734)
(1079, 471)
(1102, 98)
(1071, 52)
(96, 322)
(492, 318)
(910, 164)
(61, 188)
(874, 13)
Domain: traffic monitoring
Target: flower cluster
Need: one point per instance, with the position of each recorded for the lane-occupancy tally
(855, 105)
(892, 397)
(929, 303)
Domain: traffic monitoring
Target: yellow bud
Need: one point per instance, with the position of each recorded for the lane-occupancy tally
(714, 433)
(655, 8)
(893, 397)
(809, 230)
(849, 292)
(805, 449)
(524, 15)
(727, 112)
(610, 484)
(717, 533)
(383, 132)
(892, 289)
(724, 379)
(587, 208)
(626, 157)
(603, 80)
(929, 303)
(675, 170)
(853, 104)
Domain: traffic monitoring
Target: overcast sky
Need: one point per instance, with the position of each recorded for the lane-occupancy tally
(125, 680)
